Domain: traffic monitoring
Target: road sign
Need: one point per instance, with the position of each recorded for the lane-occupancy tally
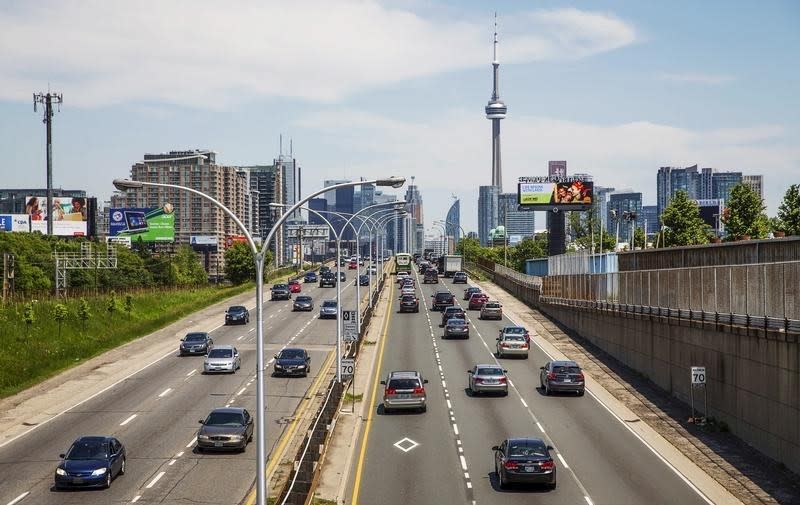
(348, 367)
(698, 375)
(349, 326)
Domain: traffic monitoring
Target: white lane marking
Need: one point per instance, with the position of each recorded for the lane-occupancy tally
(19, 498)
(251, 330)
(172, 462)
(563, 461)
(179, 454)
(588, 500)
(463, 463)
(191, 443)
(165, 393)
(469, 486)
(523, 402)
(241, 391)
(155, 479)
(539, 425)
(455, 428)
(240, 337)
(227, 405)
(191, 372)
(126, 421)
(444, 384)
(136, 498)
(466, 475)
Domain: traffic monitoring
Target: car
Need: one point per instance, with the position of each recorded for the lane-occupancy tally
(456, 327)
(328, 309)
(516, 330)
(342, 276)
(487, 379)
(404, 390)
(408, 291)
(402, 275)
(423, 267)
(363, 280)
(225, 429)
(361, 261)
(294, 286)
(292, 361)
(468, 292)
(460, 278)
(327, 280)
(280, 292)
(525, 461)
(477, 300)
(237, 314)
(373, 270)
(223, 358)
(303, 303)
(352, 265)
(310, 277)
(492, 310)
(324, 269)
(450, 312)
(197, 342)
(409, 303)
(431, 276)
(442, 299)
(406, 284)
(562, 376)
(91, 461)
(512, 345)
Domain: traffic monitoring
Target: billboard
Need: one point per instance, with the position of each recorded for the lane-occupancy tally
(234, 239)
(562, 194)
(69, 215)
(142, 224)
(15, 222)
(203, 243)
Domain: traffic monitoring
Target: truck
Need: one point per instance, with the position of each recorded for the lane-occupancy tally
(452, 263)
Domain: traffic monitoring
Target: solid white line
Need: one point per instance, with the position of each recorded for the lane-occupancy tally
(19, 498)
(136, 498)
(165, 393)
(563, 461)
(191, 372)
(126, 421)
(588, 500)
(523, 402)
(539, 425)
(155, 479)
(463, 463)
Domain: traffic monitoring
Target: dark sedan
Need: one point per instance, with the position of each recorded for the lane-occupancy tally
(451, 312)
(91, 462)
(456, 327)
(303, 302)
(460, 278)
(363, 280)
(409, 303)
(196, 343)
(237, 314)
(310, 277)
(342, 276)
(280, 292)
(292, 361)
(524, 460)
(470, 291)
(562, 376)
(225, 429)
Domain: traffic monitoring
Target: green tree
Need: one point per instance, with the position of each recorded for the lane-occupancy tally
(683, 223)
(128, 305)
(28, 316)
(111, 304)
(60, 313)
(744, 214)
(528, 248)
(187, 268)
(239, 265)
(84, 312)
(639, 238)
(789, 211)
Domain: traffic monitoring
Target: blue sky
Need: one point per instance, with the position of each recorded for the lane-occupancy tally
(617, 88)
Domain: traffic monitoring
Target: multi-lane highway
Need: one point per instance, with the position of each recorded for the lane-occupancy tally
(446, 452)
(155, 414)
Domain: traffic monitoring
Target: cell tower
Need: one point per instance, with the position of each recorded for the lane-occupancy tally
(48, 99)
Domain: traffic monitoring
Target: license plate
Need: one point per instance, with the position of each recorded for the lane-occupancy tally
(529, 469)
(490, 382)
(567, 380)
(77, 481)
(404, 396)
(217, 444)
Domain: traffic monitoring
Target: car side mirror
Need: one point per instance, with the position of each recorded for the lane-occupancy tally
(550, 448)
(498, 338)
(201, 421)
(495, 447)
(425, 381)
(541, 368)
(276, 356)
(383, 382)
(62, 456)
(205, 355)
(505, 371)
(470, 371)
(181, 340)
(236, 355)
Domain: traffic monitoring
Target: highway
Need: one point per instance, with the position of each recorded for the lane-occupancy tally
(446, 452)
(155, 414)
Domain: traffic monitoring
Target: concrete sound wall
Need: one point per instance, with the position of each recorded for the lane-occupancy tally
(753, 375)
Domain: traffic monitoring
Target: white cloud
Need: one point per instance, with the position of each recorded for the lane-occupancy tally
(711, 79)
(207, 54)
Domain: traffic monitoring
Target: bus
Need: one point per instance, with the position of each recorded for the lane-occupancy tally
(402, 262)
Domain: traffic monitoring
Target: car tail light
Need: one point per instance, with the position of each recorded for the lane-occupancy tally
(477, 380)
(580, 376)
(551, 376)
(419, 391)
(502, 380)
(547, 465)
(510, 465)
(390, 391)
(503, 344)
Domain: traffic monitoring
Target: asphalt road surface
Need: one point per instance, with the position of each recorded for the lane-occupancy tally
(444, 456)
(155, 414)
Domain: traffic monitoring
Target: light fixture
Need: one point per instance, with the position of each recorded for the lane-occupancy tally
(393, 181)
(125, 184)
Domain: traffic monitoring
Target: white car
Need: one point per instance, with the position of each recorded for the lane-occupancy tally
(222, 358)
(402, 275)
(407, 290)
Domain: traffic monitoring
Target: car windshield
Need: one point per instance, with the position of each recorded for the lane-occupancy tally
(489, 371)
(443, 296)
(92, 449)
(456, 322)
(515, 338)
(408, 298)
(515, 331)
(329, 303)
(195, 337)
(566, 369)
(291, 354)
(220, 353)
(403, 383)
(236, 308)
(279, 286)
(224, 419)
(527, 448)
(492, 305)
(303, 299)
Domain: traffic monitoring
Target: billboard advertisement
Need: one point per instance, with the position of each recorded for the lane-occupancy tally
(69, 215)
(15, 222)
(142, 224)
(234, 239)
(205, 243)
(564, 195)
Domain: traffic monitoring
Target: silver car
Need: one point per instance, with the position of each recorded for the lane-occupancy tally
(404, 390)
(509, 344)
(492, 310)
(222, 358)
(328, 309)
(487, 379)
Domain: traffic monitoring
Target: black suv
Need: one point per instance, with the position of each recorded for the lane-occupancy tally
(280, 292)
(327, 280)
(442, 299)
(431, 276)
(237, 314)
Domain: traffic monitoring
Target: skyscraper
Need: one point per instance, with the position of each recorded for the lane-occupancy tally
(670, 180)
(414, 207)
(487, 212)
(623, 205)
(453, 222)
(518, 223)
(723, 183)
(756, 183)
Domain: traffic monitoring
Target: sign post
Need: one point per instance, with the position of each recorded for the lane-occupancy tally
(349, 326)
(698, 376)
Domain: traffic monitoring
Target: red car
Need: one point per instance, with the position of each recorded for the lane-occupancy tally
(352, 265)
(477, 300)
(294, 286)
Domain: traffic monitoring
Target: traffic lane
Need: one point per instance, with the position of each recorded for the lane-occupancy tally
(431, 468)
(591, 436)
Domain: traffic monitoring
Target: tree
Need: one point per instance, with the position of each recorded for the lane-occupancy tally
(111, 304)
(84, 312)
(683, 223)
(239, 265)
(639, 238)
(744, 214)
(128, 305)
(60, 313)
(528, 248)
(789, 211)
(29, 316)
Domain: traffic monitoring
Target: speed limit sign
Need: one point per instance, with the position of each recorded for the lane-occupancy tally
(698, 375)
(348, 367)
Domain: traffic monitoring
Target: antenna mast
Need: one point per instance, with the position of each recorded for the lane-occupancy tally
(48, 99)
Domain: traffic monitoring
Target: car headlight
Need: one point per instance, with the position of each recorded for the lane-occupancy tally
(236, 437)
(278, 366)
(99, 471)
(202, 437)
(60, 471)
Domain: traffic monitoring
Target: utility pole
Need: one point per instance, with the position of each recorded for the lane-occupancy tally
(48, 100)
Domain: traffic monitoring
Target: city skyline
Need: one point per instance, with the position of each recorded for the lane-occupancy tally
(659, 95)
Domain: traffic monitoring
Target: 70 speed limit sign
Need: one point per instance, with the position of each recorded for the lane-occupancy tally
(348, 367)
(698, 375)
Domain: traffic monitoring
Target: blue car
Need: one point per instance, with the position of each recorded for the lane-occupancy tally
(91, 462)
(310, 277)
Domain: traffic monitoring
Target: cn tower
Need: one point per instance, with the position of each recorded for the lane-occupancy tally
(495, 111)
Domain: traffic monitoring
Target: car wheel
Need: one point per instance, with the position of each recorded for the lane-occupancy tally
(107, 483)
(423, 409)
(552, 485)
(546, 390)
(122, 467)
(502, 480)
(581, 392)
(505, 393)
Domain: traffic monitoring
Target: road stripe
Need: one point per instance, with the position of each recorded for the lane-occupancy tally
(19, 498)
(136, 498)
(155, 479)
(191, 372)
(172, 462)
(563, 461)
(126, 421)
(165, 393)
(191, 443)
(588, 500)
(241, 391)
(463, 463)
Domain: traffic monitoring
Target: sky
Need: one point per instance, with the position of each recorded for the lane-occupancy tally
(374, 88)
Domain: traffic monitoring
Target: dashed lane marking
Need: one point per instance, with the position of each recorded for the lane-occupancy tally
(155, 480)
(19, 498)
(165, 393)
(126, 421)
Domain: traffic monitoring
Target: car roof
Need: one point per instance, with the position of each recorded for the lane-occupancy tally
(404, 373)
(237, 307)
(526, 440)
(217, 347)
(93, 438)
(293, 349)
(193, 333)
(303, 297)
(453, 308)
(488, 365)
(228, 410)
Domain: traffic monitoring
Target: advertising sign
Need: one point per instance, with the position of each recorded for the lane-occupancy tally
(234, 239)
(126, 241)
(15, 222)
(565, 195)
(308, 230)
(68, 214)
(143, 225)
(203, 240)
